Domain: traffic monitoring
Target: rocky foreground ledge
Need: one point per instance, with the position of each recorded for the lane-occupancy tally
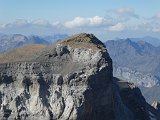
(69, 80)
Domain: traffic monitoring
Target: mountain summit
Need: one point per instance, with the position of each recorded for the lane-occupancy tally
(84, 39)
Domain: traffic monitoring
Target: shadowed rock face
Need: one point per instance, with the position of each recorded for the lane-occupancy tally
(70, 80)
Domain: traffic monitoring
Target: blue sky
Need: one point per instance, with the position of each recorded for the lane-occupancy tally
(106, 18)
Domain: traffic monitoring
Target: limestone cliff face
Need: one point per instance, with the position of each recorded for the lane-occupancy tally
(70, 80)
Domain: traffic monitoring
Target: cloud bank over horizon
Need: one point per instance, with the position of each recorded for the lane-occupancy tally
(115, 22)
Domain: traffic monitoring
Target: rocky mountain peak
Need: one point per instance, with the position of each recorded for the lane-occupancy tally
(66, 80)
(69, 80)
(84, 40)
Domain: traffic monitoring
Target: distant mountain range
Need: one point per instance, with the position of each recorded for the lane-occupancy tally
(152, 40)
(54, 38)
(9, 42)
(137, 62)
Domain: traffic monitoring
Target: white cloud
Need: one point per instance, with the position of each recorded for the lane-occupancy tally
(20, 22)
(76, 22)
(85, 22)
(41, 22)
(157, 29)
(157, 16)
(97, 20)
(115, 22)
(128, 12)
(149, 26)
(123, 14)
(117, 27)
(57, 23)
(17, 23)
(145, 26)
(24, 23)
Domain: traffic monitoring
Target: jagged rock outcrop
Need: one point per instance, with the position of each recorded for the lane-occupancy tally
(69, 80)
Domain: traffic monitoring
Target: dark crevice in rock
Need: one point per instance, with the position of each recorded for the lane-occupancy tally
(43, 90)
(7, 112)
(26, 83)
(50, 114)
(63, 104)
(71, 112)
(6, 79)
(1, 95)
(60, 80)
(18, 101)
(63, 50)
